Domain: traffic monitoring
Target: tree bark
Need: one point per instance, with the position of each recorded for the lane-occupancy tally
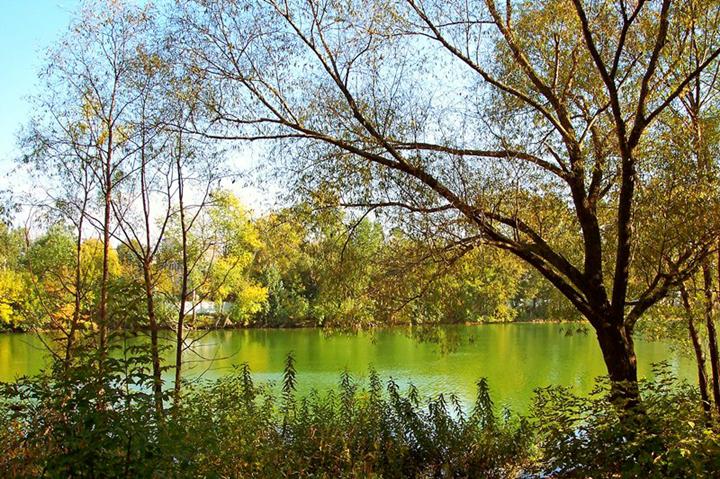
(147, 259)
(712, 334)
(618, 351)
(699, 353)
(70, 345)
(179, 345)
(157, 377)
(106, 240)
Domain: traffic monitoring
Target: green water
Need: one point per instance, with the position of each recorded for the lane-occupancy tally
(516, 358)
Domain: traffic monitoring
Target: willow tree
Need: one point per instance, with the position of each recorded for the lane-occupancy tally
(528, 126)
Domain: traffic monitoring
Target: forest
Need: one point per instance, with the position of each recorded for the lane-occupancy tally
(296, 267)
(430, 163)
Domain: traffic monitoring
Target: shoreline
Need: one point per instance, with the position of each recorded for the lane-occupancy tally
(332, 328)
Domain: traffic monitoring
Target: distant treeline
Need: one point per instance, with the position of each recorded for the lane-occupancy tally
(292, 267)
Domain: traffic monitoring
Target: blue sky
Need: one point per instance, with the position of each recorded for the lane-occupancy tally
(27, 29)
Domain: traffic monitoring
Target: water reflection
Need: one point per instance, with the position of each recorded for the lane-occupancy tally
(515, 358)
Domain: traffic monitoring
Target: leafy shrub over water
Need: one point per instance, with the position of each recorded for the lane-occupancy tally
(371, 432)
(78, 422)
(71, 424)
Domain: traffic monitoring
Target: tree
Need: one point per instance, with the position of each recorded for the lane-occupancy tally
(186, 249)
(346, 260)
(143, 206)
(284, 266)
(549, 120)
(236, 242)
(692, 136)
(14, 282)
(84, 129)
(477, 286)
(50, 261)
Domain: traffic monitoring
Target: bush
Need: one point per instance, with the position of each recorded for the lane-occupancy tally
(667, 436)
(81, 420)
(72, 424)
(247, 431)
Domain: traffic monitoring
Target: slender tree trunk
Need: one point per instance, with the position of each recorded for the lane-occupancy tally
(703, 162)
(717, 300)
(105, 273)
(154, 342)
(103, 316)
(712, 334)
(147, 258)
(699, 353)
(70, 345)
(179, 344)
(194, 308)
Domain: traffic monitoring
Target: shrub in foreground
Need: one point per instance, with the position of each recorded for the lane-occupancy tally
(374, 431)
(667, 436)
(72, 424)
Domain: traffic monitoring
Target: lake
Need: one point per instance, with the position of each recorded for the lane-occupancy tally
(516, 358)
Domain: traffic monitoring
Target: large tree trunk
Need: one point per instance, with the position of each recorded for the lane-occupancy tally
(618, 352)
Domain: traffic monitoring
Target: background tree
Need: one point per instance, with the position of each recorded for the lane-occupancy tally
(236, 241)
(690, 138)
(14, 283)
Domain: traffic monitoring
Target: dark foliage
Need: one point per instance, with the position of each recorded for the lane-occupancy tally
(667, 436)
